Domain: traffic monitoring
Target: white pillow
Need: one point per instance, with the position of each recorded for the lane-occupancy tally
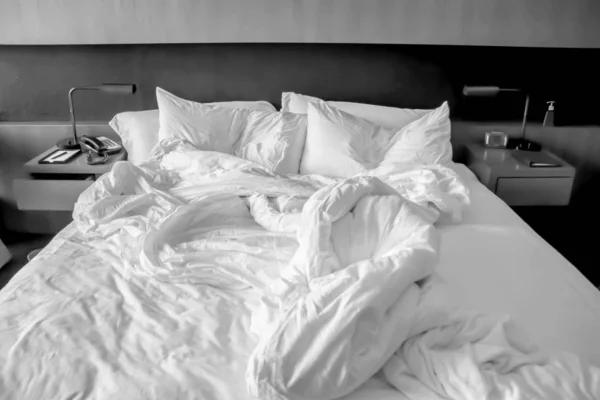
(272, 139)
(343, 145)
(139, 129)
(386, 116)
(424, 141)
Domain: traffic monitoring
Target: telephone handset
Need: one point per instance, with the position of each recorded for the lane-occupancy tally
(93, 144)
(100, 146)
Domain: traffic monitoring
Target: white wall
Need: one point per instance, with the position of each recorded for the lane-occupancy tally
(543, 23)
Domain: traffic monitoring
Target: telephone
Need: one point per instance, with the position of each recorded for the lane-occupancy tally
(100, 146)
(92, 144)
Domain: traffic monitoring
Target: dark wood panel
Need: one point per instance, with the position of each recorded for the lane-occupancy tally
(34, 80)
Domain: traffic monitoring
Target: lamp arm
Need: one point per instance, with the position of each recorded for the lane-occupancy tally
(72, 108)
(72, 112)
(110, 88)
(525, 116)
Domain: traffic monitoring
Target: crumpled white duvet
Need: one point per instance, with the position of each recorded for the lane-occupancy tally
(199, 268)
(347, 299)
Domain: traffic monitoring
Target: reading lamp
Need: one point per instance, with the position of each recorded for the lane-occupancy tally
(116, 88)
(490, 91)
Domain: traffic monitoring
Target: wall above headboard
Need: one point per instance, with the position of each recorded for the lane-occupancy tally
(533, 23)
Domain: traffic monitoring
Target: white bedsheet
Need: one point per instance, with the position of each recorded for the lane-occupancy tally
(87, 319)
(508, 269)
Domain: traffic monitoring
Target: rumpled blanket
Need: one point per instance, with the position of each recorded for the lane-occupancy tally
(197, 269)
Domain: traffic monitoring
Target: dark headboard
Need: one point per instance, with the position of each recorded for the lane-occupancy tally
(34, 80)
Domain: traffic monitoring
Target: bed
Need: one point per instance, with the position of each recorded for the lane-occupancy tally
(163, 286)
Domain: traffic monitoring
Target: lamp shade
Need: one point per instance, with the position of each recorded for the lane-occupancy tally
(481, 91)
(117, 88)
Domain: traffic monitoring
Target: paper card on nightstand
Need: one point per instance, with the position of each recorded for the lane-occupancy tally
(536, 160)
(60, 157)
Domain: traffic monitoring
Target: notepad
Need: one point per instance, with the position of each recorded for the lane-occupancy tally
(536, 159)
(60, 157)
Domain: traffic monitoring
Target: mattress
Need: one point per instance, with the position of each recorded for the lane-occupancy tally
(509, 269)
(492, 262)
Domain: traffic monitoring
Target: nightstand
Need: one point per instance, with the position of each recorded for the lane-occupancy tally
(56, 187)
(519, 184)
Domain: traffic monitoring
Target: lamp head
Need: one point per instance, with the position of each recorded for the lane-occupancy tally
(481, 91)
(118, 88)
(115, 88)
